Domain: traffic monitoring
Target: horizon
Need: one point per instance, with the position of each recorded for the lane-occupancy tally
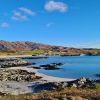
(66, 23)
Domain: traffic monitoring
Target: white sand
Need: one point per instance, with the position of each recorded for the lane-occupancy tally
(16, 88)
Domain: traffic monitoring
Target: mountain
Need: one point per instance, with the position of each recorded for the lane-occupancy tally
(20, 46)
(26, 45)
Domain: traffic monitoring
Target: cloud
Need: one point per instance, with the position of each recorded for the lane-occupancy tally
(27, 11)
(19, 16)
(22, 13)
(4, 25)
(56, 6)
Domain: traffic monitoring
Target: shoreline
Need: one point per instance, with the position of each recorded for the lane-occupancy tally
(44, 76)
(16, 88)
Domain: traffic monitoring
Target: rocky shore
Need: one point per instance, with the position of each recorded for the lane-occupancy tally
(28, 80)
(12, 62)
(78, 83)
(52, 66)
(18, 75)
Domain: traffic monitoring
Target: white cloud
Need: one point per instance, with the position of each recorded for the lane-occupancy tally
(4, 25)
(22, 13)
(19, 16)
(27, 11)
(56, 6)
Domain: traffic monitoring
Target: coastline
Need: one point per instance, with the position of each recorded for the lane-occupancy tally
(16, 88)
(23, 87)
(44, 76)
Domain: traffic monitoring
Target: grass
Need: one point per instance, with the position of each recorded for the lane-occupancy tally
(32, 52)
(72, 93)
(38, 52)
(96, 86)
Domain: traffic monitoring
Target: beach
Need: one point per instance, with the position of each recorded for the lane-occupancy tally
(16, 88)
(44, 77)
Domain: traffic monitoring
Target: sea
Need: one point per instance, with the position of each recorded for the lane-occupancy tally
(74, 66)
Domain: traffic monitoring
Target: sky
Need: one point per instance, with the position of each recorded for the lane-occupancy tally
(72, 23)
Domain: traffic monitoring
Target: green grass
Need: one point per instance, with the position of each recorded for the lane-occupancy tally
(32, 52)
(38, 52)
(96, 86)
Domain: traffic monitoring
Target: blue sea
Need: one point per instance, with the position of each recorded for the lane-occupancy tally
(74, 66)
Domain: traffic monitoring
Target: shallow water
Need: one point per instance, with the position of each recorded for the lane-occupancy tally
(74, 67)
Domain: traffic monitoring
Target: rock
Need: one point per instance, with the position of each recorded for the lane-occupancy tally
(34, 57)
(18, 75)
(14, 63)
(74, 85)
(64, 84)
(2, 94)
(51, 86)
(36, 67)
(97, 75)
(83, 79)
(52, 66)
(79, 83)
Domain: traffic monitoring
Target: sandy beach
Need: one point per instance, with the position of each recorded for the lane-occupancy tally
(16, 88)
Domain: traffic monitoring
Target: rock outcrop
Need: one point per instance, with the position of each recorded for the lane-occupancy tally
(12, 62)
(18, 75)
(52, 66)
(79, 83)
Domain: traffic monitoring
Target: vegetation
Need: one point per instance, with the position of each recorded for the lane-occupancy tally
(65, 94)
(32, 52)
(49, 52)
(95, 86)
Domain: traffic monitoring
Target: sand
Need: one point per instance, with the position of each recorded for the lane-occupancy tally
(16, 88)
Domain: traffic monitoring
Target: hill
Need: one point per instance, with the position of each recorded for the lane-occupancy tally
(19, 46)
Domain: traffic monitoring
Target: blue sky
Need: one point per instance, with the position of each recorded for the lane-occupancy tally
(74, 23)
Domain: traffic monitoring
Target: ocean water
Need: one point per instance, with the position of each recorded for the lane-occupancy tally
(74, 67)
